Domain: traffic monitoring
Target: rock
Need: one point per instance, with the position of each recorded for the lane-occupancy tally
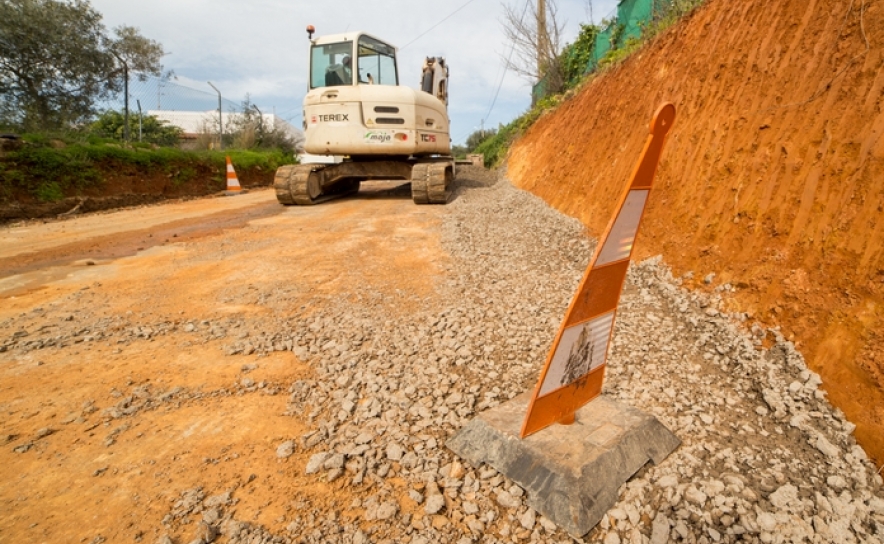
(784, 497)
(660, 529)
(286, 449)
(206, 533)
(612, 538)
(316, 462)
(334, 473)
(528, 519)
(334, 461)
(416, 496)
(395, 452)
(836, 482)
(694, 495)
(386, 510)
(766, 522)
(826, 447)
(211, 516)
(505, 499)
(434, 504)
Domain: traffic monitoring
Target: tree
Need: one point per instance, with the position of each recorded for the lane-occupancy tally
(56, 61)
(110, 124)
(476, 138)
(535, 37)
(251, 130)
(134, 53)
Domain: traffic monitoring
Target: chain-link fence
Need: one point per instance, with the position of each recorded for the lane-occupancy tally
(205, 119)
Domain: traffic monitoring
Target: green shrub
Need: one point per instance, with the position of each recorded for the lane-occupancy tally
(49, 192)
(50, 172)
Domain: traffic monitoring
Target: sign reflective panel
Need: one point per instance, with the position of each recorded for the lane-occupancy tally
(619, 244)
(575, 367)
(582, 348)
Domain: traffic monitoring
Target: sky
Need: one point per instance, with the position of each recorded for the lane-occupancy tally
(260, 48)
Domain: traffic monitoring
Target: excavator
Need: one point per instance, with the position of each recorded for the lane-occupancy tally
(361, 124)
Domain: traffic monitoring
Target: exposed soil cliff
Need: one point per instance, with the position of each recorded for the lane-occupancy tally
(773, 176)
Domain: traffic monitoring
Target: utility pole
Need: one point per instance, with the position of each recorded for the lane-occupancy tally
(139, 119)
(542, 38)
(220, 119)
(126, 102)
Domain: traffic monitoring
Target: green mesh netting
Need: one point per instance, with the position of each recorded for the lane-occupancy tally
(632, 16)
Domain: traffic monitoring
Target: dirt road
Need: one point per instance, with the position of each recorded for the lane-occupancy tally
(291, 375)
(117, 415)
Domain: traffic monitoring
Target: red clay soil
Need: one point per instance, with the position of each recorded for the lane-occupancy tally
(773, 176)
(125, 185)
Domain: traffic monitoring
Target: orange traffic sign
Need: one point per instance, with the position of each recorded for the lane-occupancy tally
(575, 367)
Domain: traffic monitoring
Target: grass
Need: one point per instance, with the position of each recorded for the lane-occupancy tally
(496, 147)
(50, 169)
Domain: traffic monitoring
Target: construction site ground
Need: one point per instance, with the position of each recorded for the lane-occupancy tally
(231, 370)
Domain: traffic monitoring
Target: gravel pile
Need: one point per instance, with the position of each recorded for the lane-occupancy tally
(764, 458)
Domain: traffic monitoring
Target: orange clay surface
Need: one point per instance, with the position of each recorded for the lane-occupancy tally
(118, 478)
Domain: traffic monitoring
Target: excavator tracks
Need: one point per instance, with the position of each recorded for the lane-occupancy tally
(431, 182)
(308, 184)
(301, 184)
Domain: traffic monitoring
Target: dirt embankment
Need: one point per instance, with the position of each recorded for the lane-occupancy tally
(773, 176)
(119, 185)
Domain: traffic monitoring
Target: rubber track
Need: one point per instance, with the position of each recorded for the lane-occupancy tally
(291, 185)
(430, 183)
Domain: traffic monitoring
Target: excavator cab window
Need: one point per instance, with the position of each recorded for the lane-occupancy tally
(330, 65)
(376, 62)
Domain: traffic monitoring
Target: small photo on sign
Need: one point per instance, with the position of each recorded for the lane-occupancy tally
(583, 347)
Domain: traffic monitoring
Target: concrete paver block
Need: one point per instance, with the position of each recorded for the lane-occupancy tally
(571, 473)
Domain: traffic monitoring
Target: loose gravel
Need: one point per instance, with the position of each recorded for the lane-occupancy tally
(765, 458)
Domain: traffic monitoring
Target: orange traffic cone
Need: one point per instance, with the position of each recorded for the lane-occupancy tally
(233, 186)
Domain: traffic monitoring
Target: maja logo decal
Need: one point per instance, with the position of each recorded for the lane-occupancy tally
(376, 137)
(428, 138)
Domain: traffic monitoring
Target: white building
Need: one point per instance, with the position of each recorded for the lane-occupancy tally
(195, 124)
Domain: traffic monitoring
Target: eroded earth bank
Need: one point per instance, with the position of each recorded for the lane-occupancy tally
(772, 183)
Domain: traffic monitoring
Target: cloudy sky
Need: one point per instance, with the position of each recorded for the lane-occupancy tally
(259, 47)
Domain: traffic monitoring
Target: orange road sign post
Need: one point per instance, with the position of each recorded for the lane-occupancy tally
(575, 367)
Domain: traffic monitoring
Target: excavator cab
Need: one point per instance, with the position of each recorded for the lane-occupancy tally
(331, 64)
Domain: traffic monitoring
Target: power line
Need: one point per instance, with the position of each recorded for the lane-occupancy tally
(437, 24)
(505, 68)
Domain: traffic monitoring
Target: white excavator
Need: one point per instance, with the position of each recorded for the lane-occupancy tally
(361, 124)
